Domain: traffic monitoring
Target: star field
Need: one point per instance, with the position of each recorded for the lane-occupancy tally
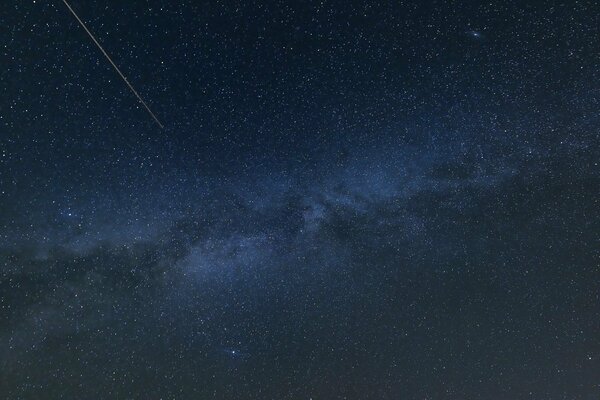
(349, 200)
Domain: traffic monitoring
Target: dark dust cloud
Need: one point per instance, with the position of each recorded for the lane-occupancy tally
(349, 200)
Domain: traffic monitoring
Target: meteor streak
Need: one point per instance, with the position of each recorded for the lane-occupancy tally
(113, 64)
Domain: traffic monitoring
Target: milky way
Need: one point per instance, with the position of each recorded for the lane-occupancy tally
(348, 201)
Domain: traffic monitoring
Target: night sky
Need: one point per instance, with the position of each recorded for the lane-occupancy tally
(349, 200)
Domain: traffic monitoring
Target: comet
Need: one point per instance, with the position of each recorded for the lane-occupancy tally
(114, 65)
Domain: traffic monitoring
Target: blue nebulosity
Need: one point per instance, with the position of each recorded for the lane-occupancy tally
(349, 200)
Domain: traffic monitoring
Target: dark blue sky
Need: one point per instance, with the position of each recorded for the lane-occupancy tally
(348, 200)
